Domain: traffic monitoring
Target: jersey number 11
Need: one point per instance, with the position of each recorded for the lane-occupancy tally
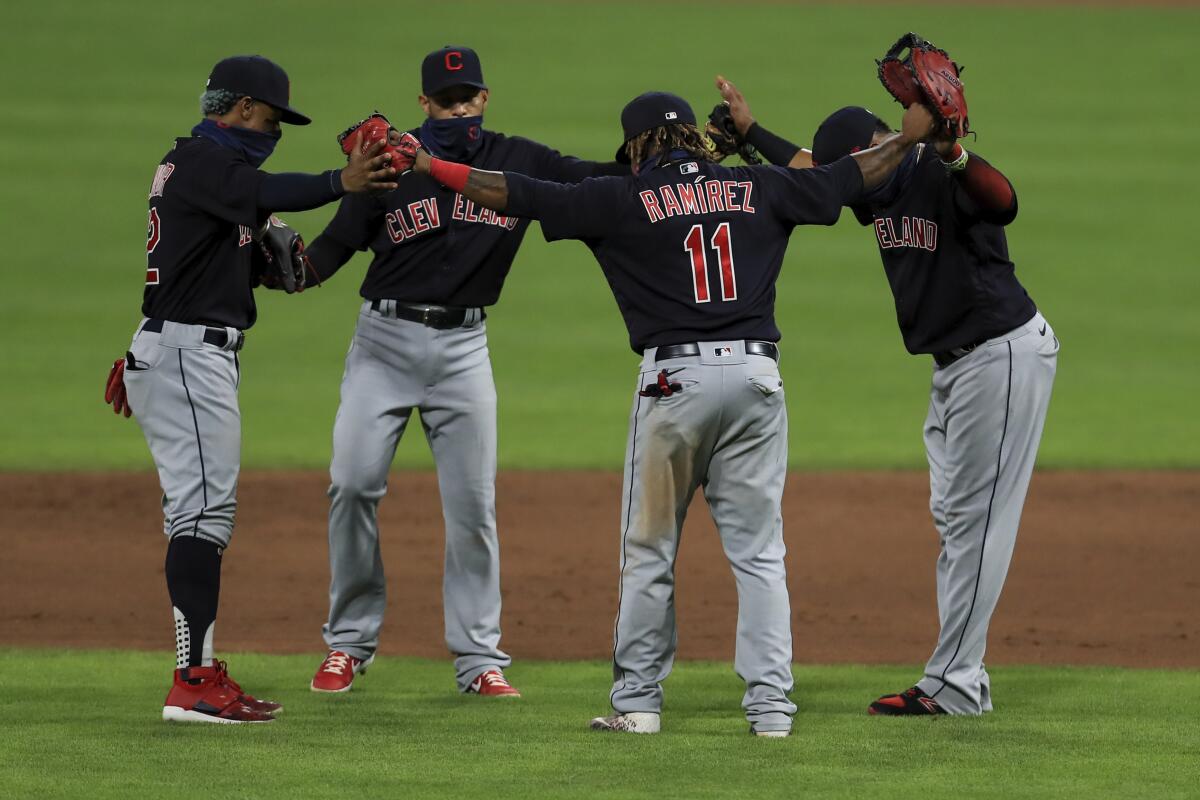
(693, 245)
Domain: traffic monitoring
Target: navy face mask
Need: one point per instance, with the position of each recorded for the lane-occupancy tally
(455, 138)
(255, 146)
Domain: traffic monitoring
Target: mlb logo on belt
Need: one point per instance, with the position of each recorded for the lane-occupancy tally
(689, 168)
(671, 115)
(723, 351)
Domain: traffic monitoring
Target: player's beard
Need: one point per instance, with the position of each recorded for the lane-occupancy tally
(455, 138)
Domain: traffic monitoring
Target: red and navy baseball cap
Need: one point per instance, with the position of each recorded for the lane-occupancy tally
(652, 110)
(843, 132)
(451, 66)
(260, 78)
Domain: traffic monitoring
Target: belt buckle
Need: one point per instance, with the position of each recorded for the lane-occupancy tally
(432, 317)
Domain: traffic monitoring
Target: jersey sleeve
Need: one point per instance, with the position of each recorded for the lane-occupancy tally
(357, 220)
(551, 165)
(586, 210)
(224, 187)
(811, 196)
(982, 193)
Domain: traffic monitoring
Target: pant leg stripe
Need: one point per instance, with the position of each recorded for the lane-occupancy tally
(987, 524)
(199, 445)
(624, 534)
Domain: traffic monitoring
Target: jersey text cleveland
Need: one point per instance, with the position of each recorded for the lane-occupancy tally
(422, 215)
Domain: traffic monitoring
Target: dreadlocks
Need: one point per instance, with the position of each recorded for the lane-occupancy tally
(663, 140)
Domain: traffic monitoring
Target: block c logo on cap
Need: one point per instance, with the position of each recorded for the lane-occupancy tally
(671, 115)
(455, 64)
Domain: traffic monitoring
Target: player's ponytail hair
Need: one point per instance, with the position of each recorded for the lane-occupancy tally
(661, 141)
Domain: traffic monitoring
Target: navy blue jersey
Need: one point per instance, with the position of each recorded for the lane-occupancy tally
(432, 245)
(947, 264)
(691, 249)
(203, 210)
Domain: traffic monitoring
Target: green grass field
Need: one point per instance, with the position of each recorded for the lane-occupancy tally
(1084, 108)
(1090, 129)
(405, 732)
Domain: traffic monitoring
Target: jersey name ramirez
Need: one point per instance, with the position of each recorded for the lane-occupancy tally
(701, 197)
(914, 232)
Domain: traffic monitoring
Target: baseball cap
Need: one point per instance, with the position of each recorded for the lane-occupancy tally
(652, 110)
(259, 78)
(451, 66)
(843, 132)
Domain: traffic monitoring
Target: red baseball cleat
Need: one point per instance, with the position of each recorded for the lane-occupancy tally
(262, 706)
(911, 703)
(201, 694)
(492, 684)
(337, 671)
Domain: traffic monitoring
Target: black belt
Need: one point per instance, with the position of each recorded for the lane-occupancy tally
(218, 337)
(948, 357)
(439, 317)
(768, 349)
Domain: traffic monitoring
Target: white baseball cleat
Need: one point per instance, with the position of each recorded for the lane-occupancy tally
(629, 722)
(773, 734)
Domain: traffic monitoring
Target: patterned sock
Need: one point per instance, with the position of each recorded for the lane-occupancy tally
(193, 570)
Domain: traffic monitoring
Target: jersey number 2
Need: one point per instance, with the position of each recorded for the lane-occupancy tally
(153, 234)
(693, 245)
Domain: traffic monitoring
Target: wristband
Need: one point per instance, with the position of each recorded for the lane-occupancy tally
(449, 174)
(957, 163)
(776, 149)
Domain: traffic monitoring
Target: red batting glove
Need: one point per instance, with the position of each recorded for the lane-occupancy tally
(114, 389)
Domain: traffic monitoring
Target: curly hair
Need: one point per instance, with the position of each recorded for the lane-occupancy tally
(663, 140)
(218, 101)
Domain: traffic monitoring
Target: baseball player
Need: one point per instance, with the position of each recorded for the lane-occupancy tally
(208, 201)
(439, 260)
(939, 220)
(692, 251)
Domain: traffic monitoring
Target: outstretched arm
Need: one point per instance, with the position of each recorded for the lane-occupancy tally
(879, 161)
(488, 189)
(776, 149)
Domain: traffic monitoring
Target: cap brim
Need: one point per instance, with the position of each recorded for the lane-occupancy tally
(446, 86)
(293, 117)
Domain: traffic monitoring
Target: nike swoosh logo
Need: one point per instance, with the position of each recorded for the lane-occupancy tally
(1043, 330)
(476, 684)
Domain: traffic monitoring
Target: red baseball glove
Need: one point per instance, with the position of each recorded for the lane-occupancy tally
(376, 128)
(925, 74)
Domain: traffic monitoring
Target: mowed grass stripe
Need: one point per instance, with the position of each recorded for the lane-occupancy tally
(80, 723)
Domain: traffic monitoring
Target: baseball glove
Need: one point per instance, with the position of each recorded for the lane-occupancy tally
(926, 75)
(279, 262)
(376, 128)
(725, 139)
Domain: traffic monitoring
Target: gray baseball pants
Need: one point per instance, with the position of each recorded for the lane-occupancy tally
(986, 413)
(725, 431)
(393, 368)
(183, 393)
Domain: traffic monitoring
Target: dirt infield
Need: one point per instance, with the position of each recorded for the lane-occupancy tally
(1105, 569)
